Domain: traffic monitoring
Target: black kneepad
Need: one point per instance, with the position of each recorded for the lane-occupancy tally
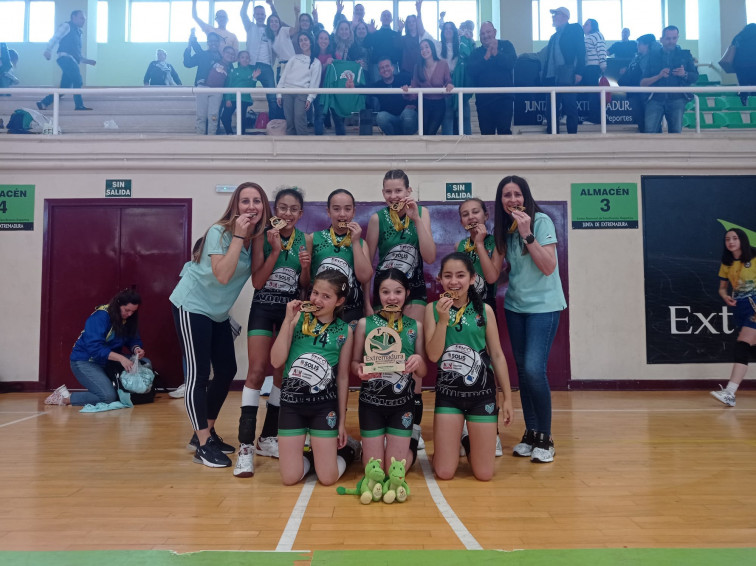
(742, 352)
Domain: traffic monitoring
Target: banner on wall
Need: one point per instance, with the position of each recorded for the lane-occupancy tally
(533, 109)
(684, 222)
(16, 207)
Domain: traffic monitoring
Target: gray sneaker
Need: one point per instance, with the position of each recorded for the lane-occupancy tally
(525, 448)
(267, 446)
(543, 449)
(724, 396)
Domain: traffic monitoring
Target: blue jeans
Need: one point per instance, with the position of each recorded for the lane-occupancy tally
(433, 115)
(93, 377)
(532, 335)
(71, 78)
(267, 80)
(451, 116)
(403, 125)
(671, 108)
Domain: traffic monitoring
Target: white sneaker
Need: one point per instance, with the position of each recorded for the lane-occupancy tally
(724, 396)
(57, 396)
(267, 446)
(179, 392)
(524, 449)
(420, 441)
(499, 449)
(245, 466)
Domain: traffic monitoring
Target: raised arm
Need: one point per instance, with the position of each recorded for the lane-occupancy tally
(244, 15)
(204, 26)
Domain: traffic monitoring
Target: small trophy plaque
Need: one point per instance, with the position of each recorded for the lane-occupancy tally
(383, 351)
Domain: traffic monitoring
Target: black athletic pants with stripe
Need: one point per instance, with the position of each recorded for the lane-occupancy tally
(205, 342)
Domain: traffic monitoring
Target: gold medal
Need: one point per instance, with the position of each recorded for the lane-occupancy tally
(309, 326)
(390, 313)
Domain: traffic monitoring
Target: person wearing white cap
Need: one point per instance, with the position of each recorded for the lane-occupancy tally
(563, 64)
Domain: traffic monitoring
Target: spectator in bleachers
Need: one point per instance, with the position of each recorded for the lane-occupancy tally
(203, 59)
(625, 49)
(260, 48)
(467, 33)
(669, 66)
(595, 65)
(325, 56)
(396, 116)
(8, 60)
(455, 55)
(632, 75)
(160, 72)
(243, 75)
(563, 64)
(68, 39)
(745, 59)
(414, 31)
(384, 43)
(221, 18)
(216, 78)
(359, 51)
(302, 71)
(492, 65)
(431, 72)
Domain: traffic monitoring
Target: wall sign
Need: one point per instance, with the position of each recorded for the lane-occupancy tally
(16, 207)
(118, 188)
(604, 205)
(458, 191)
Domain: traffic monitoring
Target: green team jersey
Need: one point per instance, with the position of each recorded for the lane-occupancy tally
(401, 249)
(464, 367)
(312, 365)
(391, 389)
(487, 291)
(283, 284)
(325, 255)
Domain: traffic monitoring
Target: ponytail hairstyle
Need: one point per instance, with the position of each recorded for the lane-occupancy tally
(338, 281)
(747, 253)
(396, 174)
(130, 327)
(392, 274)
(472, 295)
(230, 215)
(339, 192)
(502, 220)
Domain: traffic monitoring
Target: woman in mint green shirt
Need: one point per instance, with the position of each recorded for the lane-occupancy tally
(527, 238)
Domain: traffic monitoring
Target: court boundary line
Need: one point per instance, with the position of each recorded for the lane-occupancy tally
(459, 528)
(289, 535)
(22, 420)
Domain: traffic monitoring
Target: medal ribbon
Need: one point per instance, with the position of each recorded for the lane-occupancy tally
(345, 242)
(399, 225)
(309, 325)
(391, 319)
(469, 245)
(287, 246)
(460, 314)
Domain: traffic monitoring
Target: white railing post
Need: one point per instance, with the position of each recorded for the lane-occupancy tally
(603, 111)
(553, 113)
(461, 117)
(239, 117)
(698, 113)
(56, 113)
(420, 114)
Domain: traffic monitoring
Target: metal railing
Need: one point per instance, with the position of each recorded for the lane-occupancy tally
(552, 91)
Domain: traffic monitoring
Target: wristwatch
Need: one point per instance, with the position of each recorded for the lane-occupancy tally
(530, 238)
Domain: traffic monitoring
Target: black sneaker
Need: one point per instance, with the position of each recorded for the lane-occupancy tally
(543, 449)
(225, 448)
(525, 448)
(211, 456)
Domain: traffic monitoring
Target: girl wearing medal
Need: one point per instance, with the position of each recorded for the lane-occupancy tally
(738, 270)
(481, 247)
(285, 271)
(340, 247)
(386, 407)
(314, 348)
(463, 338)
(401, 234)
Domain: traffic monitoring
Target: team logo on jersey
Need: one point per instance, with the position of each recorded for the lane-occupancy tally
(490, 408)
(479, 320)
(479, 284)
(411, 336)
(347, 74)
(282, 280)
(331, 419)
(407, 419)
(314, 370)
(340, 340)
(464, 361)
(402, 257)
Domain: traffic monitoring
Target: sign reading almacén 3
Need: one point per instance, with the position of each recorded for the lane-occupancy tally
(16, 207)
(604, 205)
(118, 188)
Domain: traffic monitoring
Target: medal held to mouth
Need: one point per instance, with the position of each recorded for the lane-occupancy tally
(383, 351)
(450, 294)
(307, 306)
(277, 223)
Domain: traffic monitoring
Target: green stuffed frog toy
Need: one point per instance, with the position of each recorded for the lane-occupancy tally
(395, 488)
(370, 486)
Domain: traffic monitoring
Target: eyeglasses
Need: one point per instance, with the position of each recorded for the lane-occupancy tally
(285, 209)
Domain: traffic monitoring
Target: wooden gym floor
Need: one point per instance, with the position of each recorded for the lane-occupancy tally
(632, 470)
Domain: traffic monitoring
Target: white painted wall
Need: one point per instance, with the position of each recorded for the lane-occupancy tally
(606, 287)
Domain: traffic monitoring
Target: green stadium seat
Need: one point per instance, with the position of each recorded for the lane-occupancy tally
(734, 103)
(712, 120)
(707, 103)
(735, 120)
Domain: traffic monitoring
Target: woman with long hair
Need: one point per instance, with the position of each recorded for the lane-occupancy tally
(738, 271)
(201, 302)
(302, 71)
(526, 237)
(109, 331)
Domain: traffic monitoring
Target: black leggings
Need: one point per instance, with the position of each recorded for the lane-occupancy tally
(228, 112)
(205, 342)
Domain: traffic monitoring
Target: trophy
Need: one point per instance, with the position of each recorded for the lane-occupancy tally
(383, 348)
